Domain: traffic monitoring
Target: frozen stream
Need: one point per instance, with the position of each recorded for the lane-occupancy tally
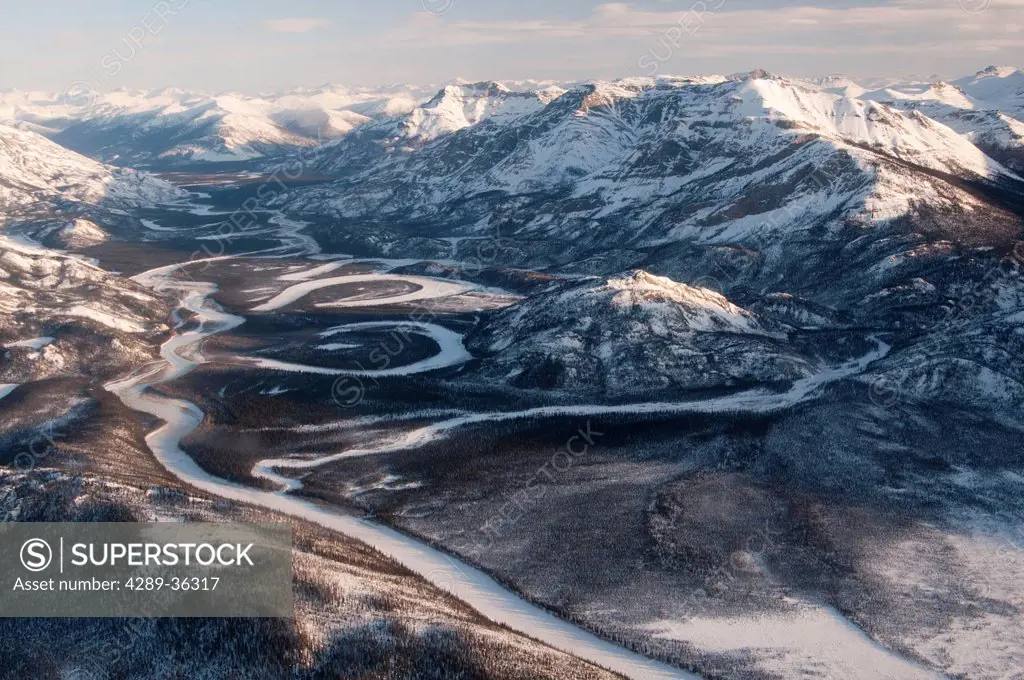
(181, 355)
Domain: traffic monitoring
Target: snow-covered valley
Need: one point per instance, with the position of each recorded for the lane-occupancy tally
(673, 377)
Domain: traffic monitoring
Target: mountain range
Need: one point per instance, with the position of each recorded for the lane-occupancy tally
(38, 176)
(174, 126)
(814, 203)
(793, 309)
(796, 201)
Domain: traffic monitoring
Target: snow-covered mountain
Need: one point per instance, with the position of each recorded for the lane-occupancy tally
(81, 233)
(640, 165)
(606, 129)
(838, 84)
(455, 107)
(169, 126)
(998, 86)
(825, 278)
(174, 126)
(61, 315)
(809, 208)
(461, 106)
(164, 127)
(38, 175)
(987, 108)
(630, 335)
(756, 185)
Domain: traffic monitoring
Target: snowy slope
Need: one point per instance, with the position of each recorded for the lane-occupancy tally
(632, 334)
(174, 125)
(81, 233)
(456, 107)
(1000, 87)
(461, 106)
(986, 108)
(61, 315)
(838, 84)
(35, 172)
(709, 159)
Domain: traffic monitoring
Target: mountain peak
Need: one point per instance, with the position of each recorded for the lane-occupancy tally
(756, 74)
(641, 285)
(642, 280)
(998, 71)
(484, 87)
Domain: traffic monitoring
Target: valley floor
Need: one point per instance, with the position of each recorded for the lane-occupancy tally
(794, 528)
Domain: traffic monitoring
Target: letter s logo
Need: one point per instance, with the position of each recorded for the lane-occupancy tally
(36, 555)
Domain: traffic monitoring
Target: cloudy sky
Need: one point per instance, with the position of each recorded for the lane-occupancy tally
(263, 45)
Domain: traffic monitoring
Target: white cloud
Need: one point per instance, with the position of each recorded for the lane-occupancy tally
(764, 26)
(619, 39)
(295, 25)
